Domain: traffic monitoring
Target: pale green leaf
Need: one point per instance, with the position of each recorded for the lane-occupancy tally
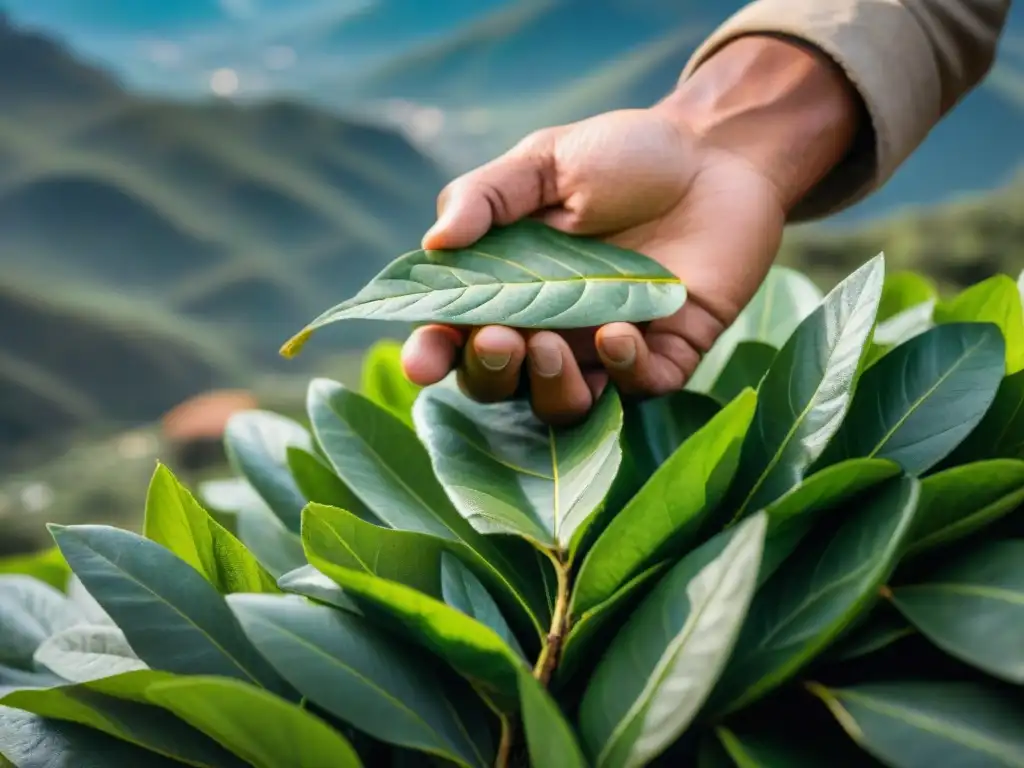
(995, 300)
(384, 381)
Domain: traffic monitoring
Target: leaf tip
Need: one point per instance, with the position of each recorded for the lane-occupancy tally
(294, 345)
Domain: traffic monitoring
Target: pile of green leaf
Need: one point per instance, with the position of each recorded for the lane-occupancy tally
(815, 554)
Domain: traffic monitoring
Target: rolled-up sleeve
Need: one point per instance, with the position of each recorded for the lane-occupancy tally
(911, 61)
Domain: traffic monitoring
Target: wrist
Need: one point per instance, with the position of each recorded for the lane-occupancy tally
(781, 106)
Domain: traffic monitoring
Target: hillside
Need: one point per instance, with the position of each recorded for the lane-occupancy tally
(150, 249)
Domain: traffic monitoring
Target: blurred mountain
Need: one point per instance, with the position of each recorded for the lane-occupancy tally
(150, 248)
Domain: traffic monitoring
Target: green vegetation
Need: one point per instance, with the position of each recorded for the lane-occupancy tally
(814, 555)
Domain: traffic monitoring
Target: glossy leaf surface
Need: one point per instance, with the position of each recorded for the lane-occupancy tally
(807, 391)
(657, 672)
(358, 673)
(257, 445)
(175, 520)
(506, 472)
(256, 725)
(749, 363)
(383, 463)
(319, 484)
(461, 589)
(86, 652)
(784, 299)
(172, 617)
(918, 724)
(918, 402)
(548, 735)
(814, 596)
(1000, 434)
(30, 611)
(309, 582)
(972, 607)
(961, 500)
(473, 649)
(669, 510)
(525, 275)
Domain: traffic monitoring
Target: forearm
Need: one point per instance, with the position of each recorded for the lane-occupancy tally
(784, 107)
(910, 61)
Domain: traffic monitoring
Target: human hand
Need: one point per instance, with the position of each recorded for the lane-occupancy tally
(688, 186)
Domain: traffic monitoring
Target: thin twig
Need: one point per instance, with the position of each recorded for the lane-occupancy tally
(551, 652)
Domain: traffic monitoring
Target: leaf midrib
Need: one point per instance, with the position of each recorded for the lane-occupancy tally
(931, 724)
(912, 409)
(966, 589)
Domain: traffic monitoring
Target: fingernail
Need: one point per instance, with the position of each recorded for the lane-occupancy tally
(494, 361)
(620, 351)
(545, 361)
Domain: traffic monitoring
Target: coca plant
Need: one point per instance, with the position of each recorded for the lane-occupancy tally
(812, 554)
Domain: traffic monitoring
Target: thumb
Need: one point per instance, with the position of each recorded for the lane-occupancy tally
(507, 189)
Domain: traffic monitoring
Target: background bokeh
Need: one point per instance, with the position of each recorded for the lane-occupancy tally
(185, 183)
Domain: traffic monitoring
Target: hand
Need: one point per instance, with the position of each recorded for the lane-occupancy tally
(697, 194)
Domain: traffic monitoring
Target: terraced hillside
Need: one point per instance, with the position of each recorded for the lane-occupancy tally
(150, 249)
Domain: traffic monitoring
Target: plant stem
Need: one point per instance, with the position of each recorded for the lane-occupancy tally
(508, 737)
(550, 653)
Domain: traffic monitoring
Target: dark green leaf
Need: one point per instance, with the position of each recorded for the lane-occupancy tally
(920, 724)
(506, 472)
(86, 652)
(655, 428)
(806, 392)
(748, 752)
(588, 627)
(47, 565)
(461, 589)
(812, 598)
(1000, 435)
(525, 275)
(747, 366)
(792, 516)
(548, 735)
(961, 500)
(30, 741)
(995, 300)
(256, 725)
(173, 618)
(359, 674)
(881, 629)
(384, 381)
(385, 465)
(309, 582)
(669, 512)
(260, 531)
(175, 520)
(784, 299)
(473, 649)
(143, 725)
(30, 611)
(657, 672)
(972, 607)
(919, 401)
(903, 290)
(318, 483)
(257, 443)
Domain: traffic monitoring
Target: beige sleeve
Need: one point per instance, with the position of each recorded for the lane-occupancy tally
(910, 60)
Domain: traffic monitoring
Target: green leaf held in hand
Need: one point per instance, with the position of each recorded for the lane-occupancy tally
(506, 472)
(972, 607)
(175, 520)
(261, 728)
(814, 596)
(919, 401)
(995, 300)
(807, 391)
(914, 724)
(358, 673)
(526, 275)
(784, 299)
(669, 511)
(172, 617)
(654, 677)
(961, 500)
